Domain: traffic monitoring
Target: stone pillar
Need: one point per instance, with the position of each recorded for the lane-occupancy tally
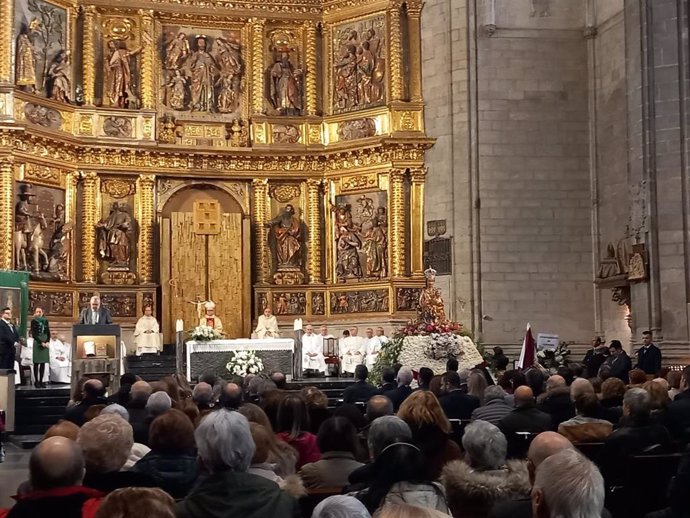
(315, 230)
(6, 24)
(396, 53)
(147, 60)
(310, 76)
(414, 27)
(417, 177)
(145, 214)
(88, 71)
(6, 211)
(397, 222)
(257, 66)
(89, 215)
(260, 214)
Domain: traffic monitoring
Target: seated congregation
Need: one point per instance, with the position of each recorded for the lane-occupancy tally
(419, 445)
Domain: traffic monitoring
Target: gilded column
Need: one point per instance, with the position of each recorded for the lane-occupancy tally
(71, 214)
(6, 24)
(6, 211)
(260, 213)
(417, 177)
(89, 55)
(315, 230)
(396, 54)
(258, 66)
(90, 183)
(414, 14)
(145, 213)
(147, 81)
(310, 77)
(397, 222)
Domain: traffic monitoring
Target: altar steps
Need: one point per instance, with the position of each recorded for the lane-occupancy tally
(36, 410)
(151, 367)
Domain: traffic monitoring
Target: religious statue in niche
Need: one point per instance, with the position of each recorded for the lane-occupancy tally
(287, 243)
(616, 261)
(58, 252)
(176, 52)
(60, 78)
(284, 79)
(25, 61)
(118, 75)
(360, 65)
(115, 235)
(431, 307)
(347, 245)
(204, 71)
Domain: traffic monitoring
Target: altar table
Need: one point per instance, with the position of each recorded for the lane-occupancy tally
(211, 357)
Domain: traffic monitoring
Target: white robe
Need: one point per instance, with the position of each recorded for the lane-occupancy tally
(267, 327)
(313, 344)
(352, 353)
(383, 339)
(60, 369)
(373, 350)
(147, 342)
(26, 358)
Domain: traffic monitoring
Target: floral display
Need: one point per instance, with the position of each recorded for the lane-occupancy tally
(244, 362)
(416, 328)
(551, 360)
(204, 334)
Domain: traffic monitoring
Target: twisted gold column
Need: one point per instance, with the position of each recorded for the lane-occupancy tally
(6, 24)
(147, 81)
(258, 66)
(414, 14)
(396, 53)
(260, 213)
(70, 215)
(6, 211)
(397, 222)
(417, 177)
(315, 230)
(310, 77)
(89, 55)
(145, 214)
(90, 183)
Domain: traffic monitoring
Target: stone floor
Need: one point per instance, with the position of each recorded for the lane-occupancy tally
(13, 472)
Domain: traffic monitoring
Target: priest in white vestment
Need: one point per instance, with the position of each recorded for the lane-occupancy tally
(352, 351)
(373, 348)
(312, 351)
(267, 326)
(147, 336)
(60, 359)
(210, 319)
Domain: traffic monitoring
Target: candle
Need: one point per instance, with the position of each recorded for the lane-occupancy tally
(179, 325)
(297, 324)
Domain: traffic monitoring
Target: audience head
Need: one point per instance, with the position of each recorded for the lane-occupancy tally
(535, 380)
(340, 506)
(171, 432)
(378, 406)
(567, 485)
(510, 380)
(293, 416)
(612, 388)
(405, 377)
(425, 376)
(604, 372)
(485, 446)
(56, 462)
(209, 378)
(494, 392)
(106, 442)
(202, 394)
(62, 428)
(580, 386)
(450, 381)
(523, 396)
(385, 431)
(452, 365)
(140, 392)
(663, 382)
(314, 397)
(93, 411)
(615, 347)
(673, 378)
(158, 403)
(263, 441)
(353, 414)
(542, 447)
(685, 378)
(116, 409)
(587, 404)
(231, 397)
(407, 511)
(224, 442)
(279, 379)
(422, 408)
(637, 403)
(93, 389)
(577, 369)
(137, 501)
(436, 385)
(337, 434)
(555, 382)
(476, 385)
(637, 377)
(596, 384)
(255, 414)
(388, 375)
(566, 373)
(361, 373)
(128, 378)
(658, 394)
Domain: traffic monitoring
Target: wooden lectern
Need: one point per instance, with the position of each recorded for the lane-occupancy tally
(97, 353)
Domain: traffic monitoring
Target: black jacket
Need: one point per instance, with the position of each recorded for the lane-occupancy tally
(398, 395)
(678, 416)
(523, 419)
(594, 359)
(359, 391)
(386, 387)
(76, 413)
(108, 482)
(104, 317)
(8, 337)
(522, 508)
(620, 366)
(649, 359)
(61, 502)
(559, 406)
(174, 473)
(458, 405)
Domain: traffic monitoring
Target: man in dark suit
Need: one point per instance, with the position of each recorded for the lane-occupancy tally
(9, 338)
(455, 402)
(526, 417)
(95, 314)
(649, 355)
(388, 376)
(360, 390)
(398, 395)
(619, 362)
(94, 394)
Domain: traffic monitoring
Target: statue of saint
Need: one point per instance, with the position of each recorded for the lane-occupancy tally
(431, 307)
(285, 90)
(348, 244)
(25, 69)
(286, 238)
(346, 77)
(118, 76)
(115, 235)
(204, 70)
(23, 227)
(177, 91)
(60, 75)
(376, 245)
(609, 267)
(176, 51)
(227, 97)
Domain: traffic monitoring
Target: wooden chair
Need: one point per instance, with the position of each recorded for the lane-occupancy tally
(315, 496)
(331, 356)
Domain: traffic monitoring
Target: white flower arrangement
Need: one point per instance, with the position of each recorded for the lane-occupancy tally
(415, 352)
(244, 362)
(204, 334)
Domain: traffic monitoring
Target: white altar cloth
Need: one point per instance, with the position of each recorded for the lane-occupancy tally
(240, 344)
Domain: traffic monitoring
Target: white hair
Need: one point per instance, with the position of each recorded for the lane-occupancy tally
(116, 409)
(580, 386)
(387, 430)
(158, 403)
(340, 506)
(224, 441)
(405, 376)
(638, 401)
(494, 392)
(571, 485)
(485, 445)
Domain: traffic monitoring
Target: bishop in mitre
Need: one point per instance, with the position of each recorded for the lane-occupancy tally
(312, 351)
(210, 319)
(267, 327)
(147, 336)
(352, 351)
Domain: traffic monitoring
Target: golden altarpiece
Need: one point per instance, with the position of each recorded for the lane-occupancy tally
(253, 153)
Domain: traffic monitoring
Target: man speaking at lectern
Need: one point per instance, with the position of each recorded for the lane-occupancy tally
(95, 314)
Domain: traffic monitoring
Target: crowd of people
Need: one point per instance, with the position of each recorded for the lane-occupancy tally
(418, 445)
